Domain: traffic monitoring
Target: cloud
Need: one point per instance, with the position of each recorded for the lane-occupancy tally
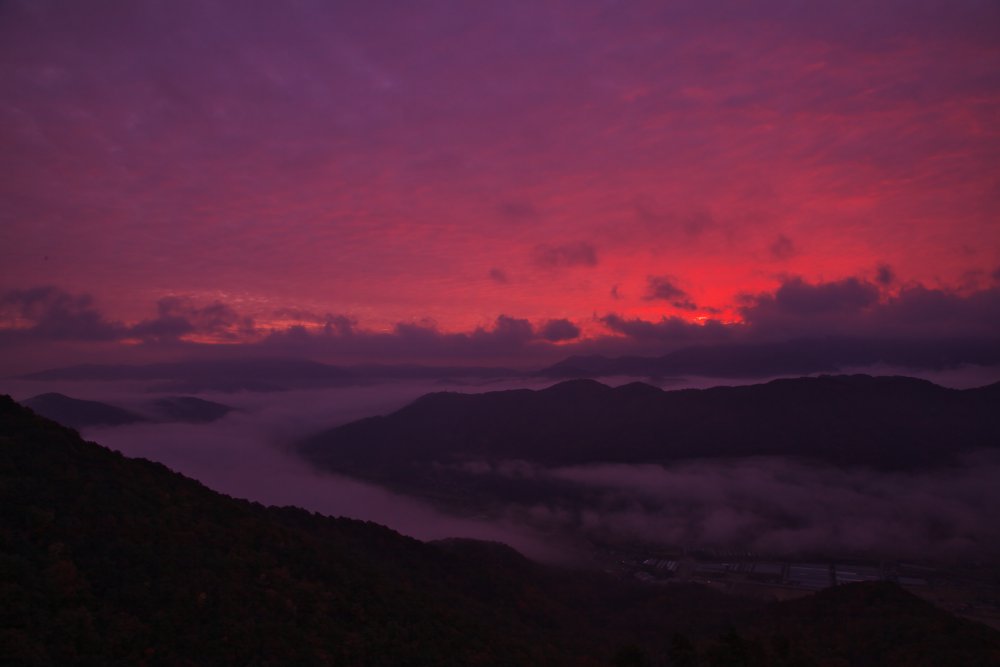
(559, 330)
(925, 311)
(180, 316)
(692, 223)
(798, 298)
(663, 287)
(768, 505)
(51, 313)
(517, 211)
(799, 308)
(884, 275)
(499, 276)
(856, 307)
(247, 455)
(566, 255)
(847, 323)
(508, 340)
(783, 248)
(667, 329)
(330, 324)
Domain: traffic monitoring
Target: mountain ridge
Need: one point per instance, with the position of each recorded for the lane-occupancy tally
(110, 560)
(888, 422)
(79, 413)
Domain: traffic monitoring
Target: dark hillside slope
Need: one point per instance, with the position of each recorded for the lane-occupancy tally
(107, 560)
(874, 624)
(188, 409)
(882, 422)
(79, 413)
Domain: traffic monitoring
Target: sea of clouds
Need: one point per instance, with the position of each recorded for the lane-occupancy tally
(768, 505)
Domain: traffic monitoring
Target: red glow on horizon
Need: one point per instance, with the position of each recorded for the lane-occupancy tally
(538, 164)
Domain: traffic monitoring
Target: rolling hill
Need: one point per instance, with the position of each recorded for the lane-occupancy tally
(110, 560)
(889, 423)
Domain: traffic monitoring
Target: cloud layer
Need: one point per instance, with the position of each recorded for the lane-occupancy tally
(540, 161)
(771, 506)
(851, 322)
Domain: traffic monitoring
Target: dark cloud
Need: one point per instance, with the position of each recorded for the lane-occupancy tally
(518, 210)
(798, 307)
(667, 329)
(696, 223)
(795, 296)
(783, 248)
(566, 255)
(844, 324)
(663, 288)
(852, 307)
(339, 325)
(499, 275)
(163, 328)
(508, 340)
(925, 311)
(884, 275)
(180, 316)
(510, 328)
(692, 224)
(51, 313)
(559, 330)
(297, 314)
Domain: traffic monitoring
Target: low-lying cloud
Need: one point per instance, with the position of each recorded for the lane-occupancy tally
(768, 505)
(774, 506)
(247, 455)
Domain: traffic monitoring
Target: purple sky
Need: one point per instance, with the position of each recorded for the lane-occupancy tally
(492, 182)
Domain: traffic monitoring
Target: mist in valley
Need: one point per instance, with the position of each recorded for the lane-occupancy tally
(768, 505)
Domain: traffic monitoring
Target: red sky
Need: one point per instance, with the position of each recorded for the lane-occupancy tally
(442, 164)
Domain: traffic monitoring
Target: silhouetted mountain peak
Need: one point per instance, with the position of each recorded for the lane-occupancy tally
(578, 387)
(79, 413)
(113, 560)
(881, 422)
(637, 389)
(800, 356)
(189, 409)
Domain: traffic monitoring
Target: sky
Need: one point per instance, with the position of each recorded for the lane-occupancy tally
(492, 183)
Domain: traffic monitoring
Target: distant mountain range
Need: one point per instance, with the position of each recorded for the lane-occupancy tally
(794, 357)
(730, 360)
(262, 374)
(78, 413)
(110, 560)
(889, 423)
(568, 459)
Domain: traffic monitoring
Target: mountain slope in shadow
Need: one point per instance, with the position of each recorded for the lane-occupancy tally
(188, 409)
(888, 423)
(78, 413)
(110, 560)
(801, 356)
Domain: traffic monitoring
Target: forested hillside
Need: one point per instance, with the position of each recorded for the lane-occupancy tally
(109, 560)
